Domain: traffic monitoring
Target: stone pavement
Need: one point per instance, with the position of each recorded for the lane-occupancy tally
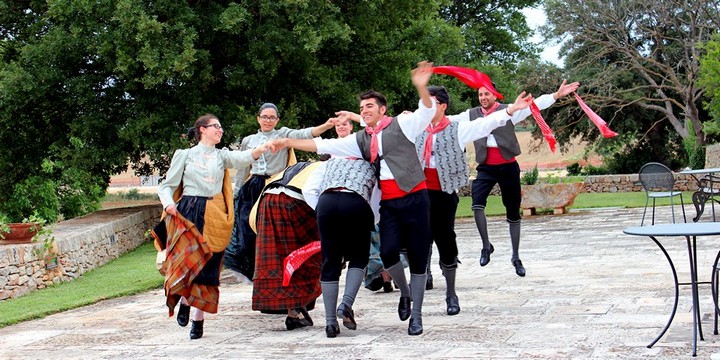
(591, 292)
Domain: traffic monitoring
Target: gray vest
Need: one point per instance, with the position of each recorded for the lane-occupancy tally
(450, 160)
(355, 175)
(504, 137)
(399, 154)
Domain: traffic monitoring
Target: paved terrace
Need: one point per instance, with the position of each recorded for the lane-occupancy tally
(591, 293)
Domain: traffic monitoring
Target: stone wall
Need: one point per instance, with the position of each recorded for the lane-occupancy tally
(712, 156)
(82, 244)
(611, 184)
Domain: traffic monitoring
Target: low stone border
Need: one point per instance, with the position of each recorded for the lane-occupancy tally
(82, 244)
(609, 183)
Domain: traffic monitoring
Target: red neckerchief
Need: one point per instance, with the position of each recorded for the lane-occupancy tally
(386, 120)
(427, 151)
(490, 110)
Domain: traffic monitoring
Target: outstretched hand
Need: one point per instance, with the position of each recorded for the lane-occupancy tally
(566, 89)
(344, 115)
(521, 102)
(277, 144)
(421, 74)
(260, 149)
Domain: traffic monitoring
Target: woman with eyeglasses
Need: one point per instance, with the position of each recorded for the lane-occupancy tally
(250, 180)
(197, 197)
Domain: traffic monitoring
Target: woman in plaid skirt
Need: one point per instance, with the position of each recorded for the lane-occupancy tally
(199, 225)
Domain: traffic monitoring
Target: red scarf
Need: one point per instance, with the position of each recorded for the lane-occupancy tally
(490, 110)
(595, 118)
(427, 151)
(544, 128)
(386, 120)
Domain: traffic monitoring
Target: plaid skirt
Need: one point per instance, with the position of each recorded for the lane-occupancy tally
(284, 225)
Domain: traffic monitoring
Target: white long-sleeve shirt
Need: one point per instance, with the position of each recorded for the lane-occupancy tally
(411, 125)
(543, 102)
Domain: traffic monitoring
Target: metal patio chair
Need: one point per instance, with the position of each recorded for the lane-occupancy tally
(658, 181)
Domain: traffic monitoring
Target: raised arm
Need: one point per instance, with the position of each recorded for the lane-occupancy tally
(565, 89)
(316, 131)
(420, 78)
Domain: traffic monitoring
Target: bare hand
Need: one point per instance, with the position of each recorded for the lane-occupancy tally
(344, 115)
(566, 89)
(421, 74)
(278, 144)
(521, 102)
(405, 112)
(170, 210)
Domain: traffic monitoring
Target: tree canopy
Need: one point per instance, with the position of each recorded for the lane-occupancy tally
(639, 64)
(87, 87)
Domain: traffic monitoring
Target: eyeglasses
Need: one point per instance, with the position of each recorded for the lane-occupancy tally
(269, 118)
(216, 126)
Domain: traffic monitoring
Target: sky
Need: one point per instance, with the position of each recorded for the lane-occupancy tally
(536, 17)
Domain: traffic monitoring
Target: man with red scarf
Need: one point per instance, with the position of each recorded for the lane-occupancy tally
(389, 144)
(495, 155)
(441, 150)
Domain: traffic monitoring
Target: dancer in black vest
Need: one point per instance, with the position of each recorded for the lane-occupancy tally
(495, 156)
(389, 144)
(441, 150)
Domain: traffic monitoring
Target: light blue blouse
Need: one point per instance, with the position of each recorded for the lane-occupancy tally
(201, 170)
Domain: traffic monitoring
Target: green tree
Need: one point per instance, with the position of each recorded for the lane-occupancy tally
(88, 86)
(638, 63)
(709, 80)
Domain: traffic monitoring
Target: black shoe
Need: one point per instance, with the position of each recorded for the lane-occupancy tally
(347, 315)
(404, 308)
(183, 315)
(387, 286)
(376, 284)
(453, 305)
(305, 315)
(196, 330)
(332, 330)
(519, 269)
(292, 323)
(429, 283)
(485, 255)
(415, 327)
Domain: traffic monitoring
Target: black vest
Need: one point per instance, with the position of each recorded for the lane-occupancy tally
(399, 154)
(504, 137)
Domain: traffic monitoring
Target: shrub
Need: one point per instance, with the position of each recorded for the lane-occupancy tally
(574, 169)
(530, 177)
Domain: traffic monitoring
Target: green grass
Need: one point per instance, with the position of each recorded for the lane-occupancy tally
(585, 200)
(135, 271)
(129, 274)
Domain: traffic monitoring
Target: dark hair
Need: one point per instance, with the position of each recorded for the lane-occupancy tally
(269, 106)
(372, 94)
(440, 93)
(194, 132)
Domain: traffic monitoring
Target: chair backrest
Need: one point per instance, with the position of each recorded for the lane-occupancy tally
(656, 177)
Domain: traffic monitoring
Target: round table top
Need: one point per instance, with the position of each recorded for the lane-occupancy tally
(678, 229)
(700, 171)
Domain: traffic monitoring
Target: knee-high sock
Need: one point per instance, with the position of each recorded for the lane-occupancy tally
(398, 274)
(515, 238)
(481, 223)
(330, 295)
(353, 280)
(417, 285)
(197, 314)
(449, 272)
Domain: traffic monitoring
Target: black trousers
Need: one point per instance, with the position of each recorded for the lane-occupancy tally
(345, 221)
(443, 207)
(405, 224)
(508, 177)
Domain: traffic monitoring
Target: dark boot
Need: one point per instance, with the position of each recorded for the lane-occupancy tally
(415, 327)
(183, 315)
(196, 330)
